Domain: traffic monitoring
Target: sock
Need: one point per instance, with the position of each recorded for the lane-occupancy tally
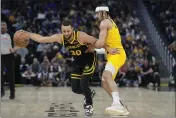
(115, 97)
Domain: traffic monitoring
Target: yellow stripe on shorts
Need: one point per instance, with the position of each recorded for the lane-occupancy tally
(92, 69)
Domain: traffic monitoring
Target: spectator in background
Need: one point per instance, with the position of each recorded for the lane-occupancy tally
(28, 76)
(35, 66)
(44, 71)
(120, 78)
(35, 69)
(45, 64)
(39, 50)
(132, 74)
(156, 73)
(55, 74)
(23, 65)
(23, 68)
(62, 63)
(146, 73)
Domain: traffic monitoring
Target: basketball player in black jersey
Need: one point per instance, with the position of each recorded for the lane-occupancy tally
(84, 63)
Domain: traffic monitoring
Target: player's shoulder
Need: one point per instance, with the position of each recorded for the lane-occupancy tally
(82, 34)
(104, 24)
(106, 21)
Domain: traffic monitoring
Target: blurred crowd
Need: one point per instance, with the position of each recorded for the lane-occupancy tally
(50, 64)
(165, 12)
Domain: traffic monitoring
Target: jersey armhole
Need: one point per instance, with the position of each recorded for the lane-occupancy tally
(112, 24)
(78, 39)
(62, 39)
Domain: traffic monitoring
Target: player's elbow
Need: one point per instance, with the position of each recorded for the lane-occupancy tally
(99, 44)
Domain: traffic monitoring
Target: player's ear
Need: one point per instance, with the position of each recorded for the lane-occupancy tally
(72, 28)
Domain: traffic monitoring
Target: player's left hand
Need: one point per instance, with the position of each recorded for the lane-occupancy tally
(12, 50)
(90, 49)
(113, 51)
(172, 46)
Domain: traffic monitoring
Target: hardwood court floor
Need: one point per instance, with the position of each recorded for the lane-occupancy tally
(141, 102)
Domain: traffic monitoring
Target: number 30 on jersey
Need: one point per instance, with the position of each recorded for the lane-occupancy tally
(75, 52)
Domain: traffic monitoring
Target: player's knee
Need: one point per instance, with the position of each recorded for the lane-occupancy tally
(76, 90)
(106, 75)
(85, 82)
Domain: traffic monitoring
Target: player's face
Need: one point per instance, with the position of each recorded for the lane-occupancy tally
(3, 27)
(98, 16)
(67, 31)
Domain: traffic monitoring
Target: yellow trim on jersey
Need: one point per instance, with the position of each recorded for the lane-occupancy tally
(73, 37)
(76, 75)
(92, 64)
(92, 69)
(78, 39)
(63, 40)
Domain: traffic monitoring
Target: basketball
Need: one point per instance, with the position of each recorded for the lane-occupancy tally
(21, 39)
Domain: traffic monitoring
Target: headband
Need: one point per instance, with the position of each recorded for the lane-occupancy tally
(101, 9)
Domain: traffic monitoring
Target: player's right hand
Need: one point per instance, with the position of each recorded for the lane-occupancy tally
(90, 49)
(113, 51)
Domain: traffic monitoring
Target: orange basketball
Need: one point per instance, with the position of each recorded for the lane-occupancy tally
(21, 39)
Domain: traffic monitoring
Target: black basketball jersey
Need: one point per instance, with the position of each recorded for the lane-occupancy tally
(74, 46)
(76, 49)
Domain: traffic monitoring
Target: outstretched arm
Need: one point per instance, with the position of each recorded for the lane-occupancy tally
(43, 39)
(87, 39)
(84, 38)
(46, 39)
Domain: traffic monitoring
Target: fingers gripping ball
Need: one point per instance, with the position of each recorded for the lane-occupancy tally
(21, 39)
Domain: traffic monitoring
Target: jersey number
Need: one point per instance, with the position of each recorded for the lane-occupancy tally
(76, 52)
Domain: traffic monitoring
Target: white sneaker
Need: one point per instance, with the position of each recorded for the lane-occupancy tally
(117, 109)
